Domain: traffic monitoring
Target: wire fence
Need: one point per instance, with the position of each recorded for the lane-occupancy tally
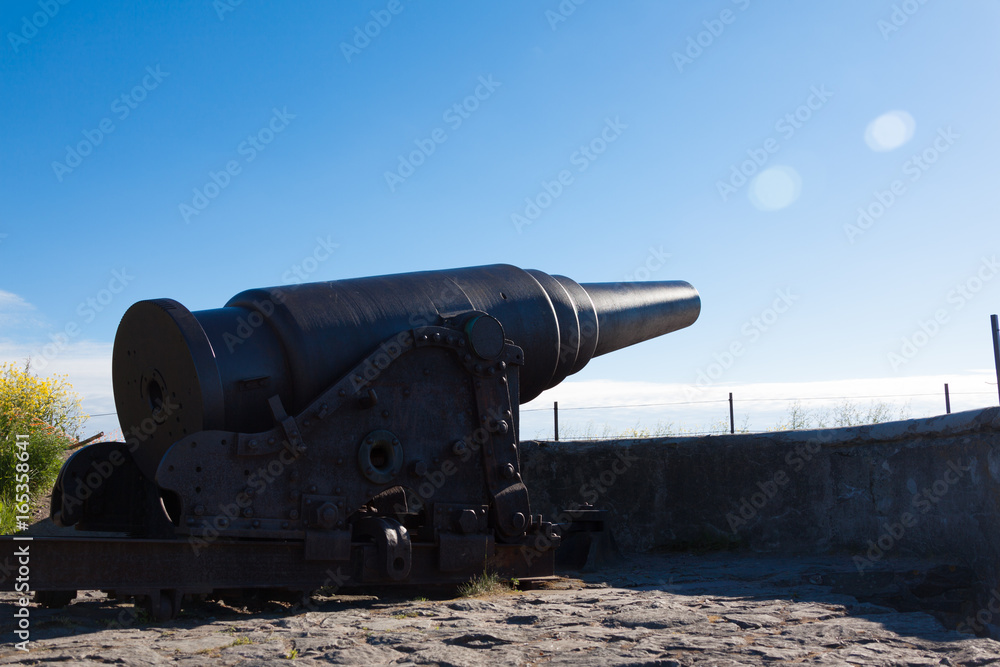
(730, 426)
(723, 427)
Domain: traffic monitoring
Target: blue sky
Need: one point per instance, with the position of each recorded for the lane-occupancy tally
(196, 149)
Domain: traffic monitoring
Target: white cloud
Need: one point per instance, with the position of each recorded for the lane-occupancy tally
(11, 301)
(14, 310)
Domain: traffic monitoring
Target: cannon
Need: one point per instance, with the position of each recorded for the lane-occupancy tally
(359, 431)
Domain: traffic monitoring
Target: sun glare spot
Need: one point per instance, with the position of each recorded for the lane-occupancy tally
(890, 131)
(775, 188)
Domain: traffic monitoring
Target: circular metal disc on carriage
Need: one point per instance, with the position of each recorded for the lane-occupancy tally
(166, 383)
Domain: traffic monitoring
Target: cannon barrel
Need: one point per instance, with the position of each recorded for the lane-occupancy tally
(177, 372)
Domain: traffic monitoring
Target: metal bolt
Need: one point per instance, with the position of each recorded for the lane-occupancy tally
(517, 520)
(247, 511)
(459, 448)
(385, 414)
(327, 515)
(468, 521)
(271, 441)
(293, 515)
(341, 392)
(284, 524)
(255, 523)
(419, 468)
(199, 510)
(312, 489)
(508, 470)
(252, 445)
(305, 423)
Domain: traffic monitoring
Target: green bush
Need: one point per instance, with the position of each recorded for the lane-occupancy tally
(48, 412)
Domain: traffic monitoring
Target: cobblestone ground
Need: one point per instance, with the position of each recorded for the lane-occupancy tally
(720, 609)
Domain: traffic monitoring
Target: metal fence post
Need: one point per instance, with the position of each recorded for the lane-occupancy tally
(732, 422)
(555, 418)
(996, 348)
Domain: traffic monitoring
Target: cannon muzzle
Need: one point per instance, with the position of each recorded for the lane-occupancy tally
(178, 372)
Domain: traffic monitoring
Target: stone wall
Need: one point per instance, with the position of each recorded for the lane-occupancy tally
(924, 487)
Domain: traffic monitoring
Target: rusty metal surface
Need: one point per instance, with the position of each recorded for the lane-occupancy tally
(134, 566)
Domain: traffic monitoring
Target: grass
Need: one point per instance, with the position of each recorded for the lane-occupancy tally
(487, 583)
(46, 450)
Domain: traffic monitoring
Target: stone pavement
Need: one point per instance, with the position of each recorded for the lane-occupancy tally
(686, 609)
